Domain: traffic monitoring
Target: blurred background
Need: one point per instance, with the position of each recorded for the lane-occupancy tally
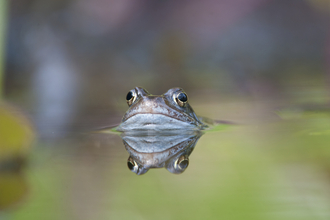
(68, 65)
(69, 61)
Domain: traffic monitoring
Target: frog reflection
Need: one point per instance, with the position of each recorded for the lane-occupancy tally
(159, 150)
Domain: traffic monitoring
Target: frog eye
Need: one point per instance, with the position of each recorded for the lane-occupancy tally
(132, 165)
(130, 97)
(135, 167)
(181, 163)
(181, 99)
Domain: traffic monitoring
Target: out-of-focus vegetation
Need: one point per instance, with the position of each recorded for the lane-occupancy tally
(3, 26)
(16, 135)
(13, 188)
(67, 57)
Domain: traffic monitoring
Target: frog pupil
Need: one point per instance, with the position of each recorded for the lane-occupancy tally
(182, 97)
(183, 164)
(129, 96)
(130, 165)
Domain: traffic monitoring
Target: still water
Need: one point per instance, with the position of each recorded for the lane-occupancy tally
(273, 168)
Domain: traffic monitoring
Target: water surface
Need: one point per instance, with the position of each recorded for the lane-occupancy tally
(268, 169)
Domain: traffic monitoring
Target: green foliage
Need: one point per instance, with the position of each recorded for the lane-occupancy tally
(13, 186)
(16, 133)
(15, 139)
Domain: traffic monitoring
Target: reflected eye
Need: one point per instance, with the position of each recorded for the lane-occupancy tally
(182, 99)
(132, 165)
(135, 167)
(130, 97)
(182, 162)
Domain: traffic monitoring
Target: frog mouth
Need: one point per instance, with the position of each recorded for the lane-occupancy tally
(150, 117)
(148, 121)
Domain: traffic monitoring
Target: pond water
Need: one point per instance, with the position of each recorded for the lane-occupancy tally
(274, 168)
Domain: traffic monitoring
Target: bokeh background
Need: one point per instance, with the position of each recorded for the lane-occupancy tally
(265, 64)
(69, 57)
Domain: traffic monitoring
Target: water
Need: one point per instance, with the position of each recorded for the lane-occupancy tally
(270, 169)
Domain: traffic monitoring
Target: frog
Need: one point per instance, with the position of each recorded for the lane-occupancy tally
(148, 151)
(170, 111)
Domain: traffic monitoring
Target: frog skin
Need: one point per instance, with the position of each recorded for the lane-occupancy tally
(170, 111)
(148, 151)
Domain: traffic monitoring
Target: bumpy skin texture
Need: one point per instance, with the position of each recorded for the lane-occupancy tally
(151, 112)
